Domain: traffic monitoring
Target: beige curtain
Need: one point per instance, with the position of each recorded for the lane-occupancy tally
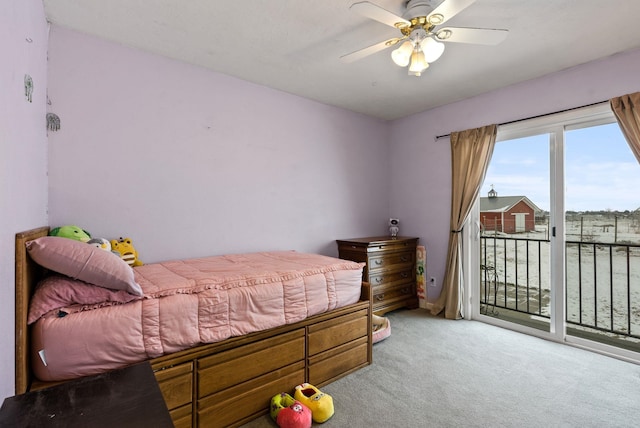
(627, 111)
(471, 152)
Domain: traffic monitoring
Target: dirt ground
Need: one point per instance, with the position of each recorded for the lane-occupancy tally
(602, 273)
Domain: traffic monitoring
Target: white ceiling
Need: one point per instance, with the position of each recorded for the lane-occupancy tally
(295, 45)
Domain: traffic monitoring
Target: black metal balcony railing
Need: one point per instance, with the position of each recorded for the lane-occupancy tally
(513, 274)
(602, 282)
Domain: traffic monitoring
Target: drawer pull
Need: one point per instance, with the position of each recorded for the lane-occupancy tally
(379, 279)
(380, 297)
(405, 290)
(404, 258)
(378, 262)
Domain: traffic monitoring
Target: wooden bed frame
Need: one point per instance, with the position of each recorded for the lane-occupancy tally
(231, 382)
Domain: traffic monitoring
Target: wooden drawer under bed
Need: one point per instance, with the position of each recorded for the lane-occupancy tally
(232, 382)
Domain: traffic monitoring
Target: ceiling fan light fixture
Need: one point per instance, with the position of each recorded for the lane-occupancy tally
(432, 49)
(436, 19)
(444, 34)
(416, 73)
(418, 63)
(421, 36)
(402, 55)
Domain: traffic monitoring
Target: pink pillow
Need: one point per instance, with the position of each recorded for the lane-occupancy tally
(85, 262)
(58, 292)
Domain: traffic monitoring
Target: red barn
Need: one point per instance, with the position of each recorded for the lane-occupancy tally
(508, 214)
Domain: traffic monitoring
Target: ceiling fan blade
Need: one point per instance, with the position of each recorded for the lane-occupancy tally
(477, 36)
(359, 54)
(448, 9)
(379, 14)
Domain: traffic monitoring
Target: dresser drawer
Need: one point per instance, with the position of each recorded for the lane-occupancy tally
(182, 416)
(355, 255)
(238, 404)
(176, 384)
(329, 334)
(391, 261)
(386, 295)
(324, 367)
(391, 278)
(223, 370)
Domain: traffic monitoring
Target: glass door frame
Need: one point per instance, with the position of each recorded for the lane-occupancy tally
(554, 125)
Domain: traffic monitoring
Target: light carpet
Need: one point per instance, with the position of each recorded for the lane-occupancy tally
(433, 372)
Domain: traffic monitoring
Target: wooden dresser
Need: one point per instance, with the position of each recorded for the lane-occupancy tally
(390, 269)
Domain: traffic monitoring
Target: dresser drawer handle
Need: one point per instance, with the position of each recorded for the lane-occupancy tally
(405, 290)
(404, 258)
(380, 297)
(404, 275)
(378, 262)
(379, 279)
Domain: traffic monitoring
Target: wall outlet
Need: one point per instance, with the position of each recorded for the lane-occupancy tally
(432, 281)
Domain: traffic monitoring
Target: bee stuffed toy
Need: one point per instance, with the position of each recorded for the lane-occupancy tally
(127, 252)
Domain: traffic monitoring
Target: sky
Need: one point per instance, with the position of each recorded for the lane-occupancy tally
(601, 172)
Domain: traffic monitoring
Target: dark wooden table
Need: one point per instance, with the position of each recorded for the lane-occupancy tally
(128, 397)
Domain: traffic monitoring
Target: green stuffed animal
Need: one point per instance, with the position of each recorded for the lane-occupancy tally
(71, 232)
(127, 252)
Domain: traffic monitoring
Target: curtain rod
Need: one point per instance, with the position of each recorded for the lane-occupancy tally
(438, 137)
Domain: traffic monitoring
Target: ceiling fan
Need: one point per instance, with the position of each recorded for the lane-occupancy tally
(420, 42)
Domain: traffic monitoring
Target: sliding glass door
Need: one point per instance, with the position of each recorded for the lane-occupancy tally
(515, 233)
(602, 218)
(558, 252)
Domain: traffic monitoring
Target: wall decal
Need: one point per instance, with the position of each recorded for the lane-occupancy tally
(28, 87)
(53, 122)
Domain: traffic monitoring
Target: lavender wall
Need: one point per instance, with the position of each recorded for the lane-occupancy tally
(188, 162)
(23, 152)
(420, 188)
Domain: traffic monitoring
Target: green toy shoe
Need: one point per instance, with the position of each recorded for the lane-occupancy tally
(288, 412)
(321, 404)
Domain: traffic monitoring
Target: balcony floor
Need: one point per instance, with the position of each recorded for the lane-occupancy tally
(542, 324)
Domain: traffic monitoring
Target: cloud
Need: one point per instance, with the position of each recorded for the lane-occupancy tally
(591, 183)
(511, 161)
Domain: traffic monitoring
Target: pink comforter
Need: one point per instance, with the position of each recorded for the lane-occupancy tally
(190, 302)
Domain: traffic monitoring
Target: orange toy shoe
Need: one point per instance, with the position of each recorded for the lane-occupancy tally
(321, 404)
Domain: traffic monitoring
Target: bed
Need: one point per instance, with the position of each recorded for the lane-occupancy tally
(313, 312)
